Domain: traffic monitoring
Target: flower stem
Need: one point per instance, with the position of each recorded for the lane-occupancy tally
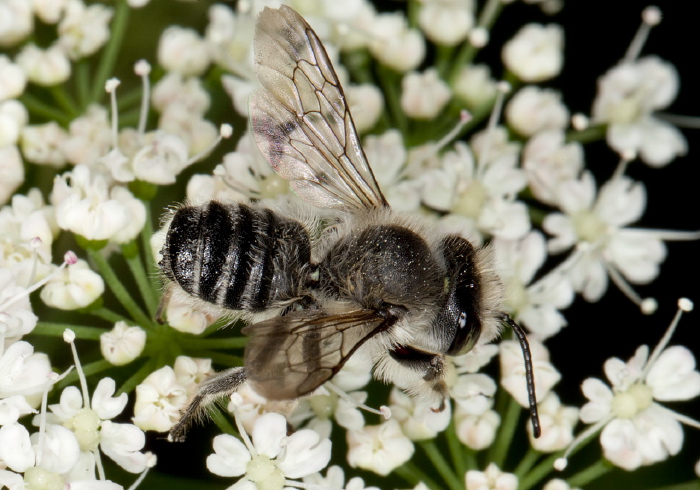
(109, 55)
(89, 369)
(57, 329)
(593, 472)
(222, 421)
(229, 343)
(593, 133)
(136, 378)
(65, 100)
(456, 449)
(413, 475)
(82, 83)
(527, 462)
(538, 473)
(145, 286)
(220, 358)
(505, 435)
(118, 289)
(390, 84)
(39, 108)
(441, 465)
(108, 315)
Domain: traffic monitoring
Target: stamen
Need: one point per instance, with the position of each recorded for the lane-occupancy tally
(682, 307)
(42, 425)
(503, 88)
(683, 419)
(651, 16)
(646, 305)
(580, 122)
(479, 37)
(69, 336)
(626, 158)
(225, 132)
(111, 88)
(384, 411)
(34, 243)
(433, 149)
(690, 122)
(142, 68)
(68, 259)
(237, 401)
(151, 461)
(561, 463)
(668, 235)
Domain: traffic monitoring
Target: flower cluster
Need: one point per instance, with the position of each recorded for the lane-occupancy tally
(87, 160)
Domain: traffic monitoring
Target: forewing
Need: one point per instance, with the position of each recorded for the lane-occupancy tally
(292, 355)
(300, 118)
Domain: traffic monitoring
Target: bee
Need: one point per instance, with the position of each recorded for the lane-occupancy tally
(358, 275)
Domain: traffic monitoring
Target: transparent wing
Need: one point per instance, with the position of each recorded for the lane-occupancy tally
(301, 121)
(292, 355)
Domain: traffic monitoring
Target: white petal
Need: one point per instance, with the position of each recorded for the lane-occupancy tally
(104, 404)
(620, 443)
(230, 456)
(673, 376)
(123, 443)
(268, 432)
(15, 447)
(304, 453)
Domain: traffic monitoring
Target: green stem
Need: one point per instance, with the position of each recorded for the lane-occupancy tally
(527, 463)
(221, 359)
(413, 475)
(538, 473)
(456, 449)
(148, 293)
(390, 82)
(135, 379)
(505, 435)
(109, 315)
(65, 100)
(82, 83)
(588, 135)
(118, 289)
(228, 343)
(146, 235)
(89, 370)
(441, 465)
(56, 330)
(593, 472)
(109, 55)
(487, 18)
(222, 421)
(39, 108)
(130, 99)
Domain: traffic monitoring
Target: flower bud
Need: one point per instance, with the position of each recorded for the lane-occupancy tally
(424, 94)
(535, 53)
(122, 344)
(74, 287)
(183, 51)
(533, 110)
(44, 67)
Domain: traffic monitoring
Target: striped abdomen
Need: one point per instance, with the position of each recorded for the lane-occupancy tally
(236, 256)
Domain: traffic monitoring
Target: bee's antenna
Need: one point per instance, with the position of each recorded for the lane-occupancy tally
(529, 374)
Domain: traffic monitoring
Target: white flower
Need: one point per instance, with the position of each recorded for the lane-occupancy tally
(475, 85)
(533, 110)
(600, 222)
(76, 286)
(12, 79)
(17, 318)
(627, 96)
(122, 344)
(49, 11)
(535, 53)
(549, 161)
(479, 195)
(424, 94)
(89, 137)
(476, 431)
(366, 103)
(273, 456)
(176, 89)
(473, 392)
(558, 484)
(190, 372)
(637, 429)
(13, 117)
(159, 399)
(557, 421)
(12, 408)
(43, 144)
(83, 29)
(11, 172)
(24, 372)
(379, 448)
(17, 21)
(91, 423)
(490, 479)
(513, 370)
(183, 51)
(335, 479)
(394, 43)
(84, 207)
(446, 22)
(230, 39)
(44, 67)
(184, 318)
(535, 304)
(418, 420)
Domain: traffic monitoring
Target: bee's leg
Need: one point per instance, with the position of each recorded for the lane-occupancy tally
(221, 384)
